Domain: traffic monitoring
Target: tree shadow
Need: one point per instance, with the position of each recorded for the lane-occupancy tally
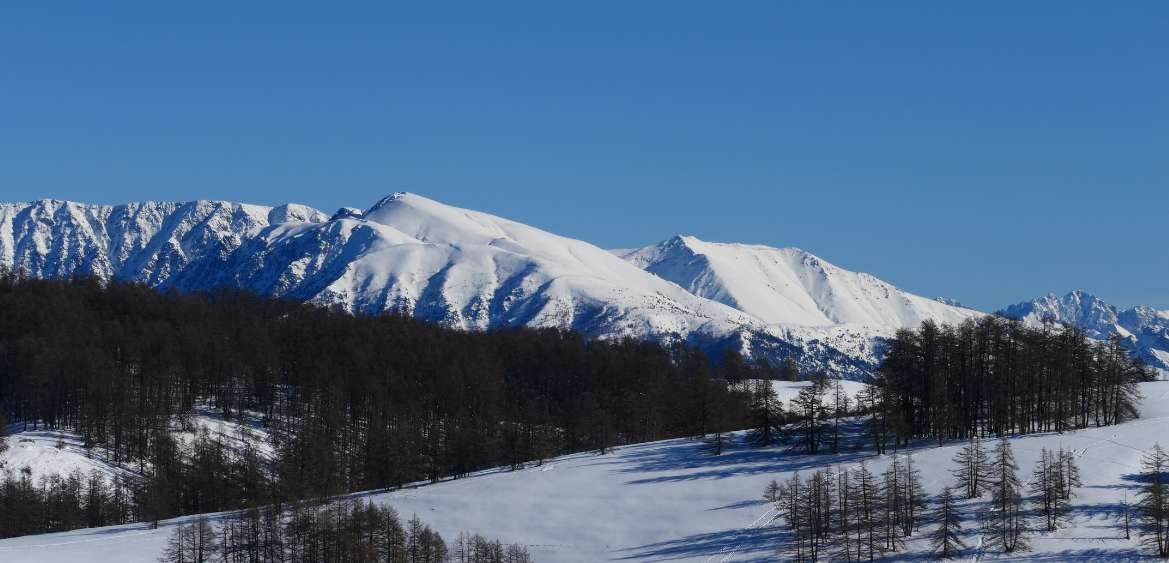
(1092, 554)
(741, 504)
(689, 462)
(750, 544)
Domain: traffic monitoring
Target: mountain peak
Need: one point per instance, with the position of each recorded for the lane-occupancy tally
(396, 196)
(787, 286)
(1077, 307)
(1145, 330)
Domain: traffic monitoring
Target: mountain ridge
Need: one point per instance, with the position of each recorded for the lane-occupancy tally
(405, 254)
(789, 286)
(1143, 330)
(472, 270)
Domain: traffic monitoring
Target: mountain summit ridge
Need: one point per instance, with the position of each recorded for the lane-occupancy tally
(1143, 330)
(789, 286)
(406, 254)
(472, 270)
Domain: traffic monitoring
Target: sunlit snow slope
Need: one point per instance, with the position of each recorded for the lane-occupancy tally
(670, 501)
(789, 286)
(464, 269)
(407, 254)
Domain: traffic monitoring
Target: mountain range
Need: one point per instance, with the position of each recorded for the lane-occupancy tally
(466, 269)
(1143, 330)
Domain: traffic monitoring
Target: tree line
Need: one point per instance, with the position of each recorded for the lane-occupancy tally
(346, 531)
(350, 402)
(997, 376)
(62, 502)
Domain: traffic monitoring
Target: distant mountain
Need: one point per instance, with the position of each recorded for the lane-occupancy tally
(806, 299)
(789, 286)
(470, 270)
(148, 242)
(405, 254)
(1144, 330)
(464, 269)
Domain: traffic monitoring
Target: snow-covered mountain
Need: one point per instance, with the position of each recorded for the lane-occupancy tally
(1144, 330)
(471, 270)
(406, 254)
(807, 300)
(789, 286)
(465, 269)
(146, 242)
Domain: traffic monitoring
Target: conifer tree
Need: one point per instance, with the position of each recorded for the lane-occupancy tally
(892, 505)
(841, 408)
(1051, 486)
(191, 543)
(808, 410)
(915, 497)
(765, 414)
(1006, 522)
(771, 493)
(843, 541)
(1069, 473)
(945, 540)
(1153, 501)
(866, 509)
(973, 471)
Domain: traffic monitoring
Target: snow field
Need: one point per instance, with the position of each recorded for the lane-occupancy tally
(670, 501)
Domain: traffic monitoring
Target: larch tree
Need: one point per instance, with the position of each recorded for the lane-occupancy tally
(1153, 501)
(1006, 523)
(765, 414)
(973, 471)
(946, 540)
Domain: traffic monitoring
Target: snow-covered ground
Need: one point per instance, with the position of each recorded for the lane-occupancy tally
(47, 452)
(44, 453)
(670, 501)
(241, 431)
(787, 390)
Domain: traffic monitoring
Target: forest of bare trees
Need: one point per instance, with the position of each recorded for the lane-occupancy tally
(346, 531)
(349, 402)
(996, 376)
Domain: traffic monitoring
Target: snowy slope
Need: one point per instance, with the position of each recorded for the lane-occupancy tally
(819, 307)
(1144, 330)
(787, 390)
(670, 501)
(45, 453)
(467, 270)
(406, 253)
(789, 286)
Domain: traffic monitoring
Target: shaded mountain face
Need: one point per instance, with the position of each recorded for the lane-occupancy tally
(147, 242)
(1144, 330)
(470, 270)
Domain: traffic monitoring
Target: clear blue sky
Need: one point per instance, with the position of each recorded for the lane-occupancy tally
(988, 152)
